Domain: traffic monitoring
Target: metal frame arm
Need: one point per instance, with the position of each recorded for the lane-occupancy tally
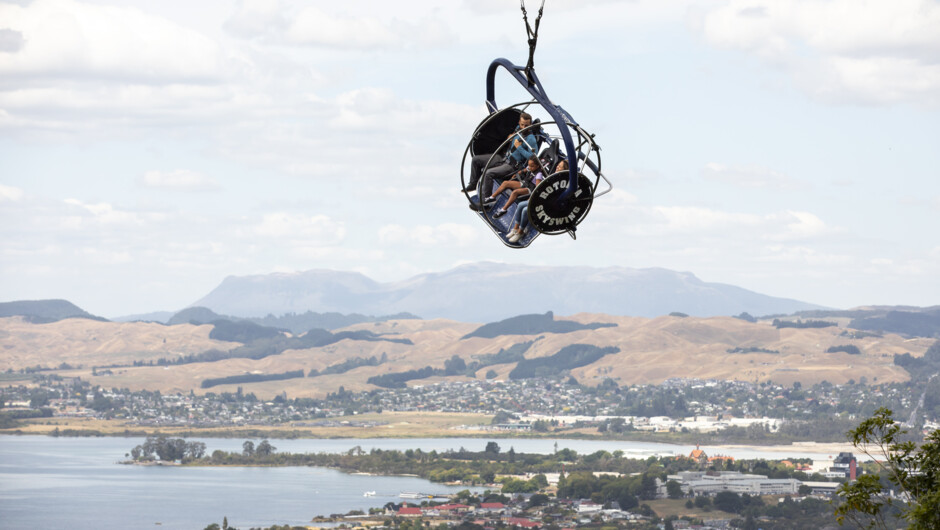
(535, 89)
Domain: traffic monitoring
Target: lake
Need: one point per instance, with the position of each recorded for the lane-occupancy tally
(48, 482)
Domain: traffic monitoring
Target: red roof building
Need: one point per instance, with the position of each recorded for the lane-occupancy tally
(698, 455)
(409, 511)
(452, 508)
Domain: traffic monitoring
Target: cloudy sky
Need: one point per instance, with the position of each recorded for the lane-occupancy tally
(150, 149)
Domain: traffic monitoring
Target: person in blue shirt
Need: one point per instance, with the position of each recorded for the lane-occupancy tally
(521, 148)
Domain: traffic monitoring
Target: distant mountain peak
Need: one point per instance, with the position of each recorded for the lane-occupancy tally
(488, 291)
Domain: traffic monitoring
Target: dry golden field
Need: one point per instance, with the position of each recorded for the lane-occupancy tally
(394, 425)
(651, 350)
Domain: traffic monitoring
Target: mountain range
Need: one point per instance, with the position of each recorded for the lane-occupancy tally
(483, 292)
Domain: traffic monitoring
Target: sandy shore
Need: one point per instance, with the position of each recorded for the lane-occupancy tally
(823, 449)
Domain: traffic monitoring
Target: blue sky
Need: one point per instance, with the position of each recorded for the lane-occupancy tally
(148, 150)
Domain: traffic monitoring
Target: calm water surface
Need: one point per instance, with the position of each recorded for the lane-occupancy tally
(77, 483)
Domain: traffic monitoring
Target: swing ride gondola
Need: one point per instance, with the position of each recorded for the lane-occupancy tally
(561, 201)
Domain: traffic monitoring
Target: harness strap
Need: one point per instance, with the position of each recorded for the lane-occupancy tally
(533, 37)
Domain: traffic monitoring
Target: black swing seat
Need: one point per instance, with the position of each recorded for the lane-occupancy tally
(561, 201)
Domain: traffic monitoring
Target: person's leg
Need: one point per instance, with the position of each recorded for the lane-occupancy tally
(515, 185)
(507, 185)
(524, 218)
(516, 223)
(499, 172)
(520, 191)
(477, 163)
(517, 215)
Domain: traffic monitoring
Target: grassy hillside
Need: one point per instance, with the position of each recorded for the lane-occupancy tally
(43, 311)
(638, 350)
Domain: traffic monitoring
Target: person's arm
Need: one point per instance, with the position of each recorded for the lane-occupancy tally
(527, 147)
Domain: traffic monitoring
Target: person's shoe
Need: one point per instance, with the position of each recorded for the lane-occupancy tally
(468, 189)
(499, 213)
(515, 237)
(475, 203)
(489, 200)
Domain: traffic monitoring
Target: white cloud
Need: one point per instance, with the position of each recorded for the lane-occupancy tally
(864, 51)
(88, 68)
(178, 180)
(9, 193)
(446, 234)
(792, 225)
(636, 177)
(340, 256)
(502, 7)
(319, 228)
(313, 26)
(102, 212)
(667, 225)
(616, 199)
(750, 177)
(10, 41)
(693, 219)
(351, 25)
(819, 260)
(256, 18)
(100, 256)
(380, 110)
(363, 133)
(67, 38)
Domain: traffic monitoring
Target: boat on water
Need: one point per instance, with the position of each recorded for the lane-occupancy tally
(413, 495)
(369, 494)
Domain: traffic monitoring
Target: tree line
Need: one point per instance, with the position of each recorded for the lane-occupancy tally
(250, 378)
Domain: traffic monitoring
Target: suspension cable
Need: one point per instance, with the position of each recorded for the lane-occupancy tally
(533, 37)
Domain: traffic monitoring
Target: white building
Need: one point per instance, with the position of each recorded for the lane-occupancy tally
(586, 506)
(710, 483)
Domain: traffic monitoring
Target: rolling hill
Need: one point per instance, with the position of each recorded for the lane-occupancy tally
(636, 350)
(41, 311)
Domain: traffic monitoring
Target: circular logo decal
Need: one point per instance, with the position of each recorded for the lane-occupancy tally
(548, 214)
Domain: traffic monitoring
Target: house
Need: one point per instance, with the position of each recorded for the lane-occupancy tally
(492, 507)
(586, 506)
(452, 508)
(521, 522)
(721, 459)
(409, 511)
(698, 455)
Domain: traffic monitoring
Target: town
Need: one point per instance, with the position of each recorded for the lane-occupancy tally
(711, 492)
(733, 410)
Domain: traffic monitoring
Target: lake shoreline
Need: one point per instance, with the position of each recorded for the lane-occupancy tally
(399, 426)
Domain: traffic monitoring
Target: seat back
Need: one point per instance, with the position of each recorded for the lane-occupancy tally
(493, 131)
(550, 157)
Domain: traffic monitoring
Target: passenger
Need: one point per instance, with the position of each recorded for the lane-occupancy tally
(520, 184)
(520, 149)
(520, 219)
